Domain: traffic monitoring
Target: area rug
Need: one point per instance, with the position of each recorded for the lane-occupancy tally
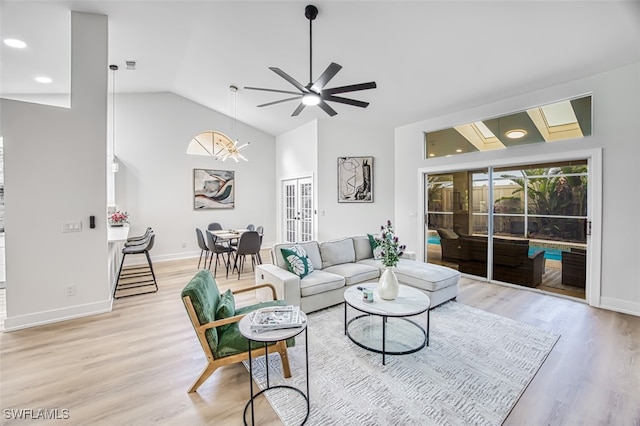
(473, 372)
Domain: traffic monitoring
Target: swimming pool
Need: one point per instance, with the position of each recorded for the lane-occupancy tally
(549, 253)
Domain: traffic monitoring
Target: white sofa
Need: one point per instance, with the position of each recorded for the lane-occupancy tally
(345, 262)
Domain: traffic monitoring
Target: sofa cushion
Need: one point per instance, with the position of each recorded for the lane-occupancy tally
(376, 249)
(226, 309)
(447, 234)
(297, 261)
(337, 252)
(310, 247)
(362, 247)
(205, 296)
(354, 272)
(319, 282)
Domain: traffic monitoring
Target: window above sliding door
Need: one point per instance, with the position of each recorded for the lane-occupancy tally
(567, 119)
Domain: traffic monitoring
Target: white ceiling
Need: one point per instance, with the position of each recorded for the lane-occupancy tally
(427, 57)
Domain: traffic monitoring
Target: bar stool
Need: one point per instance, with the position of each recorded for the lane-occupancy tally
(137, 276)
(139, 239)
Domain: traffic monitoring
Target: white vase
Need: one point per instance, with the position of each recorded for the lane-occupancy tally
(388, 286)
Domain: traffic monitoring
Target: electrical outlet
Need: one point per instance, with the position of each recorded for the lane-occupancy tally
(184, 244)
(70, 290)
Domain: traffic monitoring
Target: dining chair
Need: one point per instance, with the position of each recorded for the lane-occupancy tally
(203, 248)
(250, 227)
(218, 249)
(214, 226)
(248, 244)
(260, 231)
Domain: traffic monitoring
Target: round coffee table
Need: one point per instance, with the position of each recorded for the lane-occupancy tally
(395, 334)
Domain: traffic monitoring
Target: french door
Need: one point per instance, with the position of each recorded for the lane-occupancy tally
(297, 210)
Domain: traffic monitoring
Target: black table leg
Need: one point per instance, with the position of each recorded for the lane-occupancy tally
(345, 319)
(384, 338)
(428, 325)
(250, 384)
(266, 361)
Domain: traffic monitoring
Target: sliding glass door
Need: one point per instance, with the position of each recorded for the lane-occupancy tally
(524, 225)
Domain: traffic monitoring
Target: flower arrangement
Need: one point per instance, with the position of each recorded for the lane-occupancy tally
(391, 248)
(119, 218)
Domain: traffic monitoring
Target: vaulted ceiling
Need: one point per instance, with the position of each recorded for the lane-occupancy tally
(427, 57)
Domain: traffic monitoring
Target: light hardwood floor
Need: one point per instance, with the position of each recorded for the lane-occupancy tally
(133, 366)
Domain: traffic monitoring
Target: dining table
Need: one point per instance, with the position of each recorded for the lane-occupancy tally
(228, 236)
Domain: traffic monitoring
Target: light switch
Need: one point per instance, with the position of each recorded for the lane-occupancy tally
(72, 226)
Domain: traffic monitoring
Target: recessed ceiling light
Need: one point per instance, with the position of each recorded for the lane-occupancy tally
(516, 133)
(13, 42)
(432, 155)
(458, 150)
(43, 80)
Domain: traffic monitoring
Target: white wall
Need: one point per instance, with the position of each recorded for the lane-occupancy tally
(296, 157)
(55, 172)
(155, 181)
(314, 148)
(616, 108)
(340, 139)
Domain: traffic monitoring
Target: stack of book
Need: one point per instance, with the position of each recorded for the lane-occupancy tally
(276, 317)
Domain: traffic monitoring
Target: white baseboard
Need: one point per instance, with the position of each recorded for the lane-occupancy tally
(56, 315)
(619, 305)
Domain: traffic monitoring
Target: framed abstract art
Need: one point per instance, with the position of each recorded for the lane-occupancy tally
(213, 189)
(355, 179)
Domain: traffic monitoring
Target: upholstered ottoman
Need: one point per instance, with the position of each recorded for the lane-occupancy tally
(439, 282)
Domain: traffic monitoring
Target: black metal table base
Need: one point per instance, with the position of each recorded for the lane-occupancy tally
(268, 388)
(384, 351)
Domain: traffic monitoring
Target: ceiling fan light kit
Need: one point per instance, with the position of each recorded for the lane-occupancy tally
(315, 93)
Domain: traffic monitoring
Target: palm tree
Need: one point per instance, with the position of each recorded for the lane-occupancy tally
(551, 192)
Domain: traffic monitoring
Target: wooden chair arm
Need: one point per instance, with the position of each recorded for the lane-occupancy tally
(255, 287)
(218, 323)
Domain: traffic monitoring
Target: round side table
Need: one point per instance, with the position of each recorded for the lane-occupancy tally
(267, 337)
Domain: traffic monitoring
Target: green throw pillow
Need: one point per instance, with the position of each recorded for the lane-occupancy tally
(375, 247)
(226, 309)
(297, 261)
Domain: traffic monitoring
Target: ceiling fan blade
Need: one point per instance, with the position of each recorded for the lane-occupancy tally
(326, 76)
(271, 90)
(298, 110)
(351, 88)
(351, 102)
(280, 101)
(326, 108)
(290, 79)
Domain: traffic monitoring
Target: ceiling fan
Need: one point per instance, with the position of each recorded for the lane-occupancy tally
(315, 93)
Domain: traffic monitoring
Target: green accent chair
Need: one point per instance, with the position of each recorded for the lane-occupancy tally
(215, 320)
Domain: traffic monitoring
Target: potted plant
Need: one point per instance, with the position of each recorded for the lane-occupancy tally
(391, 250)
(119, 218)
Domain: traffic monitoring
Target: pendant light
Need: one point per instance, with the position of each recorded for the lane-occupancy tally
(115, 166)
(217, 144)
(233, 150)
